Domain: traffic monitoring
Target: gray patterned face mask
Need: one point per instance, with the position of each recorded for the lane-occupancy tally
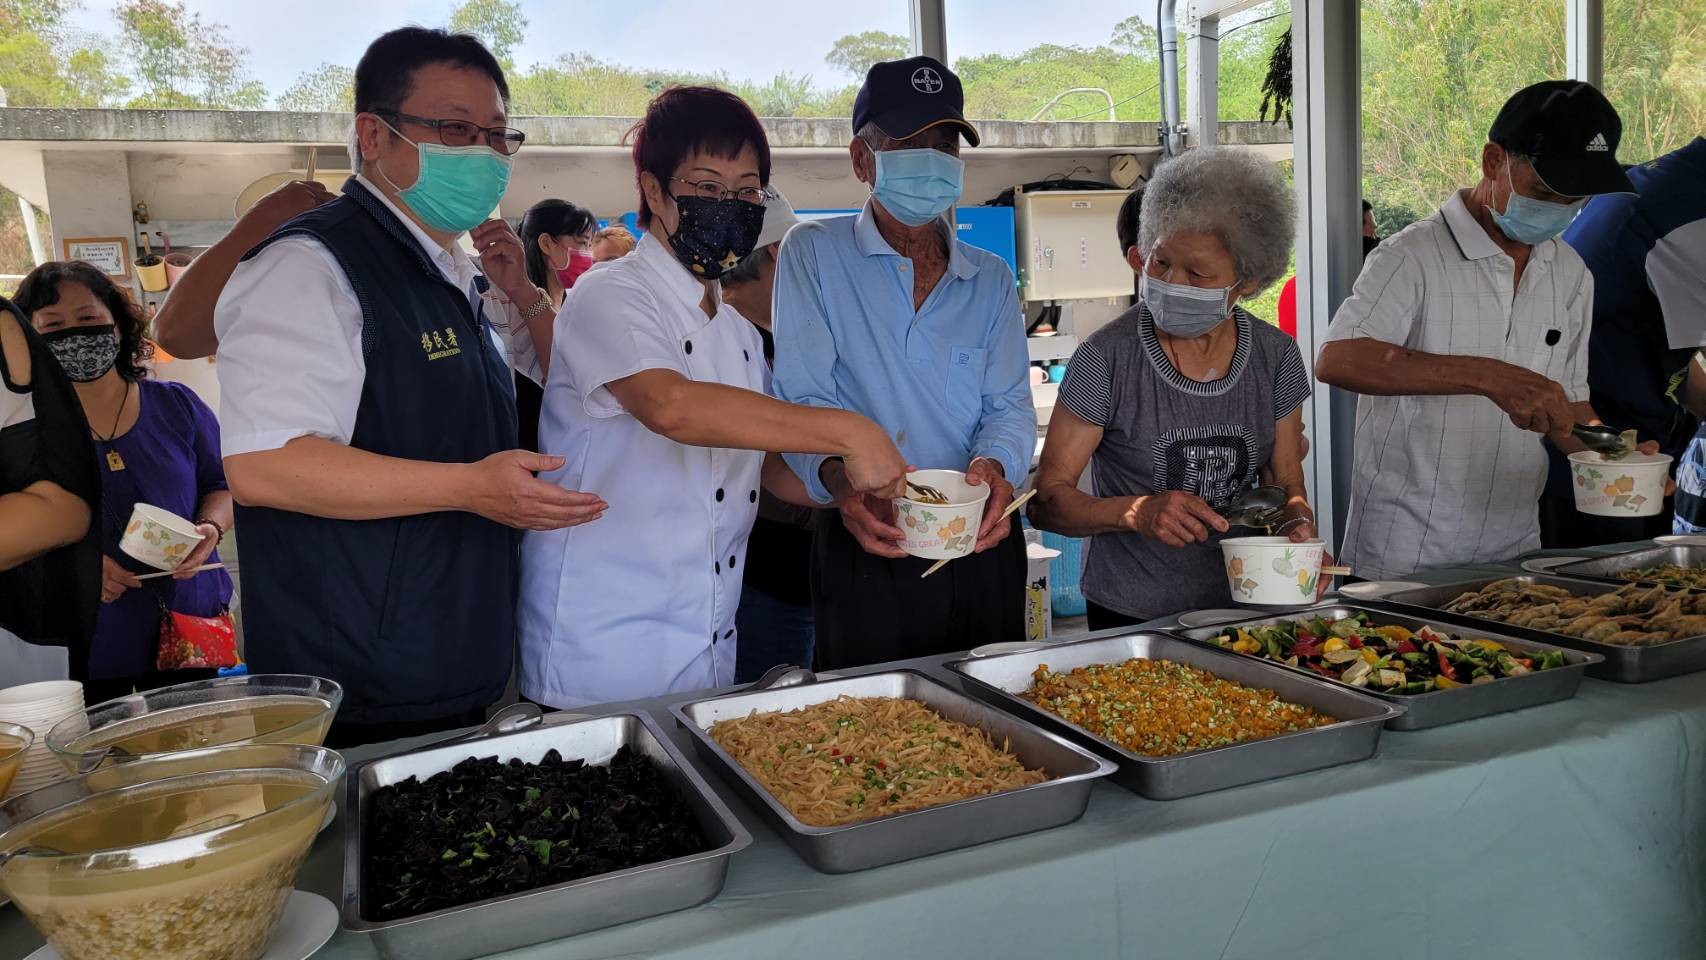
(84, 353)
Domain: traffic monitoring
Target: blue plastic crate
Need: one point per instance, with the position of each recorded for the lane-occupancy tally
(1064, 575)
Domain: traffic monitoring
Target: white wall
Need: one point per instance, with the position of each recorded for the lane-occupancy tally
(91, 193)
(179, 186)
(204, 186)
(88, 194)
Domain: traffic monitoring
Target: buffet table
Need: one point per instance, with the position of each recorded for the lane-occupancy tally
(1576, 829)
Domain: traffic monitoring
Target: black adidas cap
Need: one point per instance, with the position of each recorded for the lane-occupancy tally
(907, 97)
(1571, 133)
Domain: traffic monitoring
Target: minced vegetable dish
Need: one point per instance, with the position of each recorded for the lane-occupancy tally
(1159, 708)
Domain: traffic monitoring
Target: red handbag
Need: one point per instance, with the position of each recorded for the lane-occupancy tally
(189, 642)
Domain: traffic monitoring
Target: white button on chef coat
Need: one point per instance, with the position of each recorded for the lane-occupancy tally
(640, 602)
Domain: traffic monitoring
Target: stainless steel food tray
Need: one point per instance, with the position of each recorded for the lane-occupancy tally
(1606, 569)
(1621, 664)
(903, 836)
(1002, 679)
(1440, 707)
(548, 913)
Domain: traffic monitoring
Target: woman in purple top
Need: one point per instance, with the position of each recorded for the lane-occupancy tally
(156, 443)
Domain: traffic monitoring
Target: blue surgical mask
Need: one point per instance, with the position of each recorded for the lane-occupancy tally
(917, 186)
(1181, 310)
(1531, 221)
(458, 187)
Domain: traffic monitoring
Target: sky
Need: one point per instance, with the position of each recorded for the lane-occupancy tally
(747, 41)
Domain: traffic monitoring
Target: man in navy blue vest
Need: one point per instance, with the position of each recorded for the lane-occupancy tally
(1646, 251)
(369, 414)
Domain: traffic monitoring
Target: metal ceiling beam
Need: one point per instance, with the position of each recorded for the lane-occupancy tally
(1584, 40)
(1327, 132)
(1202, 83)
(1197, 10)
(930, 29)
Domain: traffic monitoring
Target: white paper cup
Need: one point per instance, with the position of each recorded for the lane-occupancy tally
(1631, 487)
(159, 538)
(1272, 571)
(941, 531)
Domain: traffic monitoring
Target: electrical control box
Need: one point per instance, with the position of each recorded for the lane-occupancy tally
(1068, 248)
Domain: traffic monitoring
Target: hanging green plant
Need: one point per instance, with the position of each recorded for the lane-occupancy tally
(1276, 85)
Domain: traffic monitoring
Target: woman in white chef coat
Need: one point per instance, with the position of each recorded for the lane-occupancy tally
(656, 397)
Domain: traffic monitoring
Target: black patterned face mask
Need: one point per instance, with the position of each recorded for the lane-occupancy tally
(84, 353)
(712, 236)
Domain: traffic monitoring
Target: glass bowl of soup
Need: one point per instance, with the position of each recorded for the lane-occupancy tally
(262, 708)
(15, 743)
(186, 855)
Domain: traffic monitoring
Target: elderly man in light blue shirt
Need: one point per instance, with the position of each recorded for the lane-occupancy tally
(887, 314)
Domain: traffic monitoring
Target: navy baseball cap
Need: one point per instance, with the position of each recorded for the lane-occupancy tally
(906, 97)
(1571, 133)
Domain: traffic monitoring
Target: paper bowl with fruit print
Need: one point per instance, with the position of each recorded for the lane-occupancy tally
(941, 531)
(1272, 571)
(159, 538)
(1631, 487)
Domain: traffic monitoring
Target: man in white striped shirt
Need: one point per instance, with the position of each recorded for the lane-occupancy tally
(1466, 335)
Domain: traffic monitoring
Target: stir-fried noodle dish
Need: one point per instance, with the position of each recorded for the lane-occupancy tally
(858, 758)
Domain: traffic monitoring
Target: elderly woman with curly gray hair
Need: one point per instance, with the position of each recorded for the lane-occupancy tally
(1185, 401)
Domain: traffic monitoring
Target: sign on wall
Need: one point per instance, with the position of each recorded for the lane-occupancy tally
(111, 255)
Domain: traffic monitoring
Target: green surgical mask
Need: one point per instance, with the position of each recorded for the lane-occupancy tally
(458, 187)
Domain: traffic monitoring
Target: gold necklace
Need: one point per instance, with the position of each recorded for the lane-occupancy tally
(115, 463)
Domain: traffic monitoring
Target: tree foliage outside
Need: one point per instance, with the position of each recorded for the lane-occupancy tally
(499, 24)
(1434, 74)
(184, 61)
(855, 53)
(326, 88)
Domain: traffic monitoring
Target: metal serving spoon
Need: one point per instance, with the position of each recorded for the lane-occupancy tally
(1602, 440)
(1258, 507)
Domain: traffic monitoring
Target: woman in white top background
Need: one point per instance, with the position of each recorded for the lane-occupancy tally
(656, 394)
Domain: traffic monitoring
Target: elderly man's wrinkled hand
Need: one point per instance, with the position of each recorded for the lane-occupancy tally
(504, 260)
(984, 471)
(871, 522)
(282, 204)
(1532, 401)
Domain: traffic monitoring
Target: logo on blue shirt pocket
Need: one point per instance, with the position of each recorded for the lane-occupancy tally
(962, 358)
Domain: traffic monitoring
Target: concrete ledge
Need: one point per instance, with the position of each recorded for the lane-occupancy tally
(222, 126)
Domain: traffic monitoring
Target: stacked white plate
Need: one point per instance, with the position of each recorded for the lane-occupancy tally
(39, 706)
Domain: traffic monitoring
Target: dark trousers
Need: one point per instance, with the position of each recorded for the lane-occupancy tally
(345, 735)
(1562, 527)
(871, 609)
(772, 632)
(1101, 618)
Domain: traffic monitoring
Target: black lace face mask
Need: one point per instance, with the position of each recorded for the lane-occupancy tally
(711, 236)
(84, 353)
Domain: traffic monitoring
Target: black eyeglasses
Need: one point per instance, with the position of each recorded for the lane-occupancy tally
(461, 133)
(714, 190)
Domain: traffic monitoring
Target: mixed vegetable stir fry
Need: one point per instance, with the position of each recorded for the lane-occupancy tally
(1389, 659)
